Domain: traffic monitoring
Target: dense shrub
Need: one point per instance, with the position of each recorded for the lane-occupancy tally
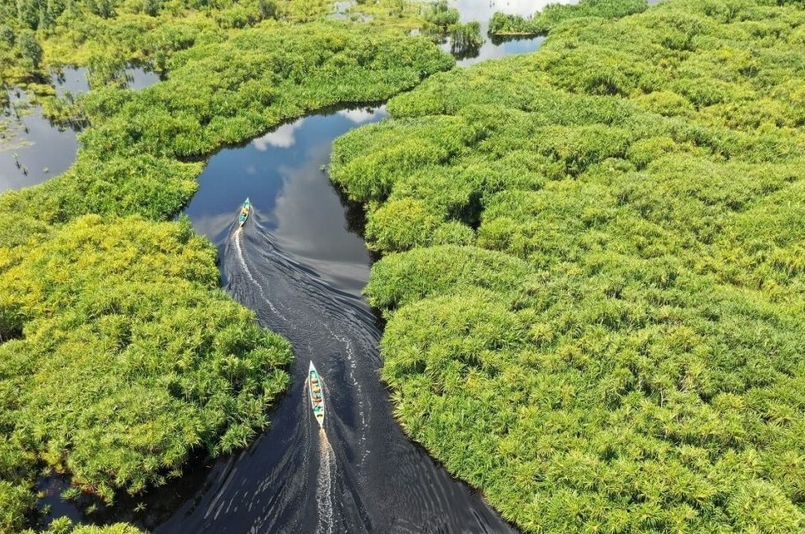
(440, 14)
(65, 526)
(619, 344)
(130, 357)
(30, 49)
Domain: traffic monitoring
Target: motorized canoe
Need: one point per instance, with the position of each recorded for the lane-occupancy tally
(316, 391)
(245, 211)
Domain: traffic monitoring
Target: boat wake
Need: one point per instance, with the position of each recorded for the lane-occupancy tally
(324, 486)
(237, 236)
(360, 476)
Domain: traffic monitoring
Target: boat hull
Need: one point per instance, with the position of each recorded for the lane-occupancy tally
(316, 393)
(245, 211)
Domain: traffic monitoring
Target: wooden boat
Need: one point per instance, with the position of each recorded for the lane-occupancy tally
(245, 211)
(316, 394)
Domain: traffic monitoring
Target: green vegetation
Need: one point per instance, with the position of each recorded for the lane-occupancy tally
(555, 14)
(118, 354)
(133, 159)
(129, 356)
(465, 39)
(594, 277)
(30, 50)
(440, 14)
(123, 357)
(106, 34)
(441, 21)
(65, 526)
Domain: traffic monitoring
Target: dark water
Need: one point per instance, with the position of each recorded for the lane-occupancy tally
(44, 149)
(36, 151)
(75, 80)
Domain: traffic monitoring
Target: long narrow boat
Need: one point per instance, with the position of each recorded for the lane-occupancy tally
(316, 394)
(245, 211)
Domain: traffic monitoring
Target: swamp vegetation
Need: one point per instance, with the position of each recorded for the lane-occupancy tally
(119, 355)
(594, 271)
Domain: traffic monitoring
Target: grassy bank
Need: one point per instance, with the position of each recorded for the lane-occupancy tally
(554, 14)
(118, 353)
(593, 272)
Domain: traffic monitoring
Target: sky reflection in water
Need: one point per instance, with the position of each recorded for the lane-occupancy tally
(281, 173)
(43, 149)
(482, 11)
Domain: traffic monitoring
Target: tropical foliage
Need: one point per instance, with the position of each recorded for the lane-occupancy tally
(99, 33)
(554, 14)
(106, 34)
(128, 356)
(38, 38)
(118, 354)
(594, 277)
(134, 159)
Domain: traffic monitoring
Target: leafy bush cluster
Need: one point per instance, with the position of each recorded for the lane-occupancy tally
(118, 354)
(134, 159)
(440, 14)
(465, 39)
(554, 14)
(128, 356)
(594, 277)
(441, 21)
(65, 526)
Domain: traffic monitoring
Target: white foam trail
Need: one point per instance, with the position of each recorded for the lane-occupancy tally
(237, 236)
(324, 489)
(353, 364)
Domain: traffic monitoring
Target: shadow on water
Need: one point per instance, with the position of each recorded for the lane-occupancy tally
(34, 148)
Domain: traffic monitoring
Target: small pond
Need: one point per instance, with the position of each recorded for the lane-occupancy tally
(34, 149)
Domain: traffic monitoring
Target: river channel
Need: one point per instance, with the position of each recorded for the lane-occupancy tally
(300, 263)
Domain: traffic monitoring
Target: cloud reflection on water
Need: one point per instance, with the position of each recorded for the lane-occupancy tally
(282, 137)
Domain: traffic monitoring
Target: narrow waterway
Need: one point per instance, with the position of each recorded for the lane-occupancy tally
(299, 264)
